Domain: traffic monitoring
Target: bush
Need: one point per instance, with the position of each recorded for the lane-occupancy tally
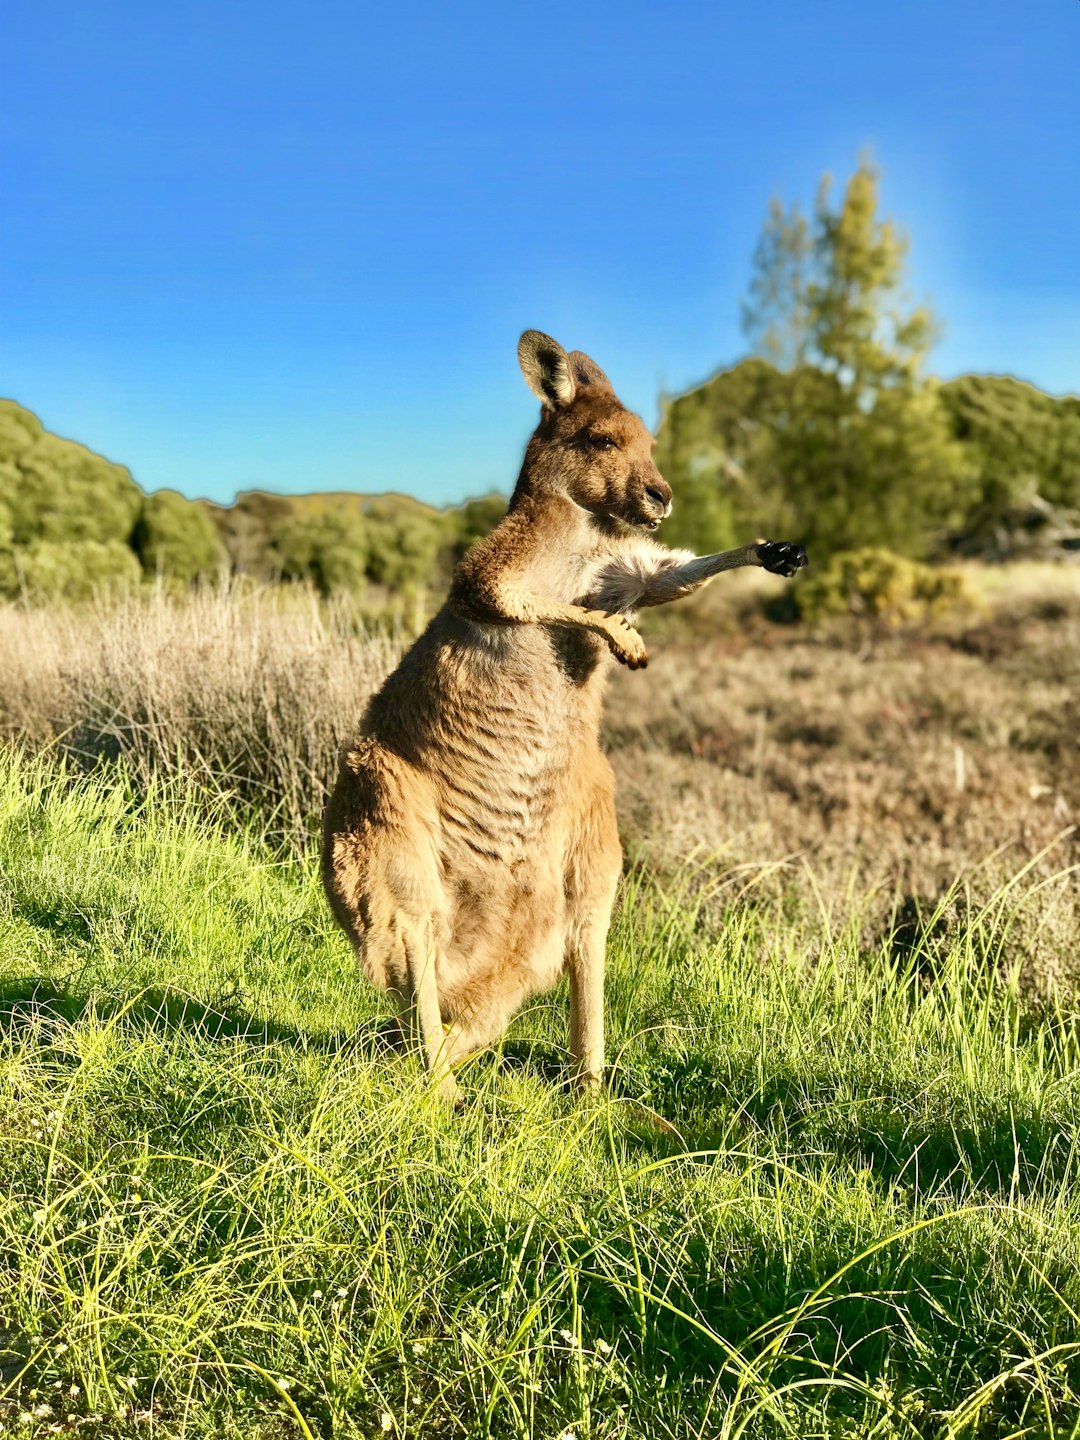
(878, 585)
(404, 548)
(68, 570)
(328, 548)
(467, 523)
(58, 491)
(176, 537)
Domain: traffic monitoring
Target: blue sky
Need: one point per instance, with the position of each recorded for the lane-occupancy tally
(292, 245)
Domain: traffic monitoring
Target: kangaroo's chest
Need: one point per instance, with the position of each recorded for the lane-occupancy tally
(515, 721)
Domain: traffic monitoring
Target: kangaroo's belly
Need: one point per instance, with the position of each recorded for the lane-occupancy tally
(504, 725)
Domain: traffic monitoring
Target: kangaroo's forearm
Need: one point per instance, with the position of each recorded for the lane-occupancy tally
(522, 607)
(681, 580)
(500, 603)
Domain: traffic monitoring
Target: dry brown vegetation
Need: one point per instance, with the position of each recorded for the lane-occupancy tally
(247, 690)
(878, 763)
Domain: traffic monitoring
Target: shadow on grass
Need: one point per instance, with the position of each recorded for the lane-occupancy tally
(27, 1001)
(720, 1103)
(699, 1292)
(699, 1103)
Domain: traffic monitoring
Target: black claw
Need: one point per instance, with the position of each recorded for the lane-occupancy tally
(781, 558)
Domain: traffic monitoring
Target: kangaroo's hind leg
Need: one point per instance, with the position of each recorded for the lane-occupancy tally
(381, 875)
(421, 1011)
(593, 866)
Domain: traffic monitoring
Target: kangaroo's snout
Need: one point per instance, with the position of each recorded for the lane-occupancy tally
(657, 499)
(660, 495)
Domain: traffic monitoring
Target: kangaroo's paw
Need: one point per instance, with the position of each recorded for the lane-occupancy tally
(780, 557)
(624, 642)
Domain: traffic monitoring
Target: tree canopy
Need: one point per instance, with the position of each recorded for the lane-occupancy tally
(833, 435)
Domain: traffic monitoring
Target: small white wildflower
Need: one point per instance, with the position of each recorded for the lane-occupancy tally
(568, 1435)
(137, 1199)
(62, 1348)
(316, 1294)
(39, 1217)
(42, 1412)
(419, 1346)
(604, 1347)
(73, 1390)
(284, 1383)
(25, 1417)
(342, 1292)
(568, 1336)
(386, 1420)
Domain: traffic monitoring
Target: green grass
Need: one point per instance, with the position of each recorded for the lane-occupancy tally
(830, 1192)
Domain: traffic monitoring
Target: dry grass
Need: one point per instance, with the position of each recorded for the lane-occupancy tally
(249, 691)
(894, 762)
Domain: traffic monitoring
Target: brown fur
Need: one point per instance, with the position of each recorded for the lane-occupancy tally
(470, 848)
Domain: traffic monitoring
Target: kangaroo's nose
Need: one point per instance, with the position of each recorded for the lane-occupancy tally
(659, 497)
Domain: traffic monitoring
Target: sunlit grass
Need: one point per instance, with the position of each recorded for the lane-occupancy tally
(832, 1191)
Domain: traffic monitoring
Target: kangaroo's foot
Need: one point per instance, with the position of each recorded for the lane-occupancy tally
(588, 1082)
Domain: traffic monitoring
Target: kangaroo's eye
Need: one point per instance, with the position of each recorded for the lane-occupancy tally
(601, 442)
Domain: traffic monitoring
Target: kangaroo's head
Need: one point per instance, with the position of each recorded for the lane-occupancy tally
(588, 446)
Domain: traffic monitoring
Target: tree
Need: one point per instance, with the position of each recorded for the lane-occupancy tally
(56, 490)
(713, 446)
(832, 436)
(330, 548)
(864, 446)
(68, 569)
(775, 314)
(1026, 447)
(176, 537)
(404, 548)
(466, 523)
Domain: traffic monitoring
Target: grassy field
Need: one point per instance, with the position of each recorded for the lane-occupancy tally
(832, 1190)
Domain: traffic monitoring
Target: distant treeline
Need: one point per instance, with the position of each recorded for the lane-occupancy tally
(833, 433)
(73, 523)
(995, 471)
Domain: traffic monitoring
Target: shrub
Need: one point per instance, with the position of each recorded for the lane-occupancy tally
(879, 585)
(57, 490)
(328, 548)
(68, 569)
(404, 548)
(176, 537)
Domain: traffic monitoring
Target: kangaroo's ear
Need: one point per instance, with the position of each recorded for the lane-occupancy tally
(546, 367)
(587, 372)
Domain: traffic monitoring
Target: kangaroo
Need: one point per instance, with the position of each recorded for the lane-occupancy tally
(470, 846)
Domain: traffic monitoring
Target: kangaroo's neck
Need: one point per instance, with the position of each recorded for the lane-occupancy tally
(538, 477)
